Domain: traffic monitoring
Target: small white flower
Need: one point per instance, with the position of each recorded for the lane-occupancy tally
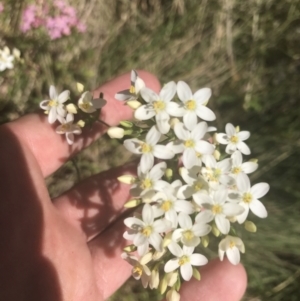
(185, 259)
(194, 104)
(238, 167)
(68, 128)
(234, 140)
(188, 233)
(159, 106)
(219, 208)
(149, 149)
(232, 246)
(140, 269)
(115, 132)
(149, 181)
(191, 143)
(195, 182)
(89, 105)
(249, 196)
(55, 105)
(168, 204)
(133, 92)
(145, 231)
(6, 59)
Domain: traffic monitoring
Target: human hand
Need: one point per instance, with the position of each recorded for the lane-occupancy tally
(69, 248)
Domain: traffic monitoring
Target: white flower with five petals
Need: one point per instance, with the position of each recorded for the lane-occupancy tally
(149, 149)
(194, 104)
(238, 167)
(55, 105)
(184, 260)
(232, 246)
(159, 106)
(89, 105)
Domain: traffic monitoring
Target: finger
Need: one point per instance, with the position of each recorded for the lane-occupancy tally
(94, 203)
(50, 149)
(220, 280)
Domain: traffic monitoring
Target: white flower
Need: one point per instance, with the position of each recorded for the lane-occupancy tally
(217, 173)
(185, 259)
(6, 59)
(68, 128)
(149, 149)
(159, 106)
(140, 269)
(188, 233)
(168, 204)
(219, 207)
(232, 246)
(249, 196)
(55, 105)
(146, 231)
(234, 140)
(194, 104)
(195, 182)
(149, 181)
(89, 105)
(238, 167)
(133, 92)
(190, 143)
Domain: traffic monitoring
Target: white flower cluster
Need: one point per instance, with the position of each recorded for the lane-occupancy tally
(187, 189)
(58, 110)
(7, 58)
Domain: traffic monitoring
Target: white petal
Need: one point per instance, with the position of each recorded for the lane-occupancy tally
(242, 217)
(189, 157)
(158, 171)
(52, 115)
(171, 265)
(258, 208)
(259, 190)
(201, 229)
(243, 147)
(243, 183)
(133, 145)
(199, 131)
(148, 95)
(204, 217)
(220, 196)
(70, 138)
(205, 113)
(177, 234)
(163, 125)
(230, 130)
(139, 239)
(230, 209)
(175, 109)
(175, 249)
(202, 95)
(61, 111)
(64, 96)
(204, 147)
(176, 146)
(222, 138)
(156, 241)
(184, 206)
(161, 225)
(52, 92)
(153, 136)
(193, 242)
(143, 113)
(186, 271)
(139, 85)
(222, 223)
(198, 259)
(131, 221)
(181, 132)
(168, 91)
(162, 152)
(147, 214)
(233, 255)
(237, 158)
(185, 192)
(184, 92)
(147, 161)
(143, 249)
(185, 221)
(243, 135)
(249, 167)
(44, 104)
(190, 120)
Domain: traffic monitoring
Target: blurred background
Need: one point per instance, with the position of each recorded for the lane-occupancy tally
(248, 52)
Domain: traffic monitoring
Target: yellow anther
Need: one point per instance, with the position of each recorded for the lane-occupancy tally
(188, 234)
(231, 244)
(147, 231)
(236, 170)
(234, 139)
(146, 148)
(85, 105)
(146, 184)
(198, 186)
(52, 103)
(190, 105)
(159, 105)
(247, 197)
(189, 143)
(198, 155)
(137, 270)
(183, 260)
(166, 206)
(217, 209)
(132, 90)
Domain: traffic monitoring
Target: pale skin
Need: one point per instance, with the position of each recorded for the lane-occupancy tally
(69, 248)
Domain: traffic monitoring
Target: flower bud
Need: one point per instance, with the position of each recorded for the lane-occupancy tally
(81, 123)
(215, 230)
(216, 154)
(169, 174)
(205, 241)
(126, 124)
(250, 226)
(115, 132)
(172, 295)
(80, 87)
(133, 104)
(71, 108)
(130, 248)
(154, 279)
(196, 274)
(172, 278)
(127, 179)
(132, 203)
(173, 121)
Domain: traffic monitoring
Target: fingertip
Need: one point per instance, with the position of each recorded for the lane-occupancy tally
(220, 280)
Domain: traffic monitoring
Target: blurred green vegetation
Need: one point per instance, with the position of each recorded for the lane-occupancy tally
(248, 52)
